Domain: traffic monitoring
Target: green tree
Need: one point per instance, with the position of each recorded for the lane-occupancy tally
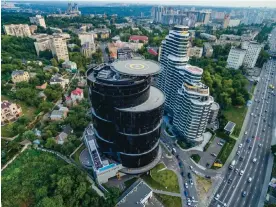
(50, 143)
(273, 149)
(45, 106)
(54, 62)
(30, 135)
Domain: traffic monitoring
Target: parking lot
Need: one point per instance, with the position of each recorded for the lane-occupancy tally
(208, 159)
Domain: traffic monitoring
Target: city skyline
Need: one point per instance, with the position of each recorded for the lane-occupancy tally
(234, 3)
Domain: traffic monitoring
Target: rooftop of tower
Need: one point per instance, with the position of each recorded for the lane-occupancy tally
(192, 69)
(136, 67)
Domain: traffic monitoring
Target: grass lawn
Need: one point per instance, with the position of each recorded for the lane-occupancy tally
(237, 116)
(129, 182)
(163, 180)
(195, 157)
(209, 143)
(28, 111)
(183, 144)
(76, 155)
(168, 201)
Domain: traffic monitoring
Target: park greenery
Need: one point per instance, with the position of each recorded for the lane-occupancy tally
(38, 178)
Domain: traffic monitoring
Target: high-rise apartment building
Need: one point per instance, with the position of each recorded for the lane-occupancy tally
(38, 20)
(59, 48)
(18, 30)
(252, 54)
(226, 21)
(187, 99)
(192, 105)
(235, 58)
(173, 54)
(86, 37)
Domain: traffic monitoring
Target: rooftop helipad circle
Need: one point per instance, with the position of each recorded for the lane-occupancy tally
(136, 67)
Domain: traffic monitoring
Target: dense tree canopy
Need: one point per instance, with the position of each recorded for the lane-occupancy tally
(227, 86)
(40, 179)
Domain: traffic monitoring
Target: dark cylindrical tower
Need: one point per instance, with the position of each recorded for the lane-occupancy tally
(126, 111)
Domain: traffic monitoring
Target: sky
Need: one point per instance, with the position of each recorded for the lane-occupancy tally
(224, 3)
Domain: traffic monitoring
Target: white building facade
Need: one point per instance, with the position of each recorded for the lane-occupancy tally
(38, 20)
(235, 58)
(252, 54)
(18, 30)
(59, 48)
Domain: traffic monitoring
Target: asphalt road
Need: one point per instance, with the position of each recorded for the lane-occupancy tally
(231, 194)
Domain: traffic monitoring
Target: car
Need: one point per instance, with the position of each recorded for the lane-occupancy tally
(191, 182)
(264, 120)
(191, 167)
(244, 193)
(236, 170)
(249, 180)
(238, 152)
(189, 175)
(188, 203)
(186, 185)
(247, 140)
(217, 197)
(220, 144)
(229, 181)
(263, 130)
(241, 172)
(207, 176)
(207, 164)
(254, 160)
(241, 158)
(265, 110)
(214, 155)
(260, 145)
(256, 123)
(245, 132)
(225, 204)
(251, 114)
(240, 145)
(253, 137)
(250, 147)
(182, 174)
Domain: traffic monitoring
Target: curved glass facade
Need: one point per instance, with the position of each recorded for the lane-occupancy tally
(126, 114)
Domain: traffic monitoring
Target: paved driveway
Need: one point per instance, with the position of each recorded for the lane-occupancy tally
(214, 148)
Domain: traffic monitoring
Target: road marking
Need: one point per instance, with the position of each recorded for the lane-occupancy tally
(229, 202)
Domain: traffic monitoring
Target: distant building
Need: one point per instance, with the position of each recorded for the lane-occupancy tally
(70, 66)
(62, 137)
(226, 21)
(103, 33)
(58, 79)
(234, 22)
(124, 53)
(207, 49)
(86, 37)
(195, 52)
(138, 194)
(43, 43)
(209, 37)
(9, 112)
(50, 68)
(235, 58)
(73, 9)
(152, 51)
(138, 38)
(252, 54)
(19, 76)
(59, 48)
(87, 49)
(18, 30)
(38, 20)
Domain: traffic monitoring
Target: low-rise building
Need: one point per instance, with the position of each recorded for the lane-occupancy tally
(103, 33)
(235, 58)
(138, 38)
(208, 37)
(9, 112)
(86, 37)
(234, 22)
(124, 53)
(77, 95)
(229, 127)
(138, 194)
(207, 49)
(18, 30)
(58, 115)
(58, 79)
(33, 28)
(88, 49)
(19, 76)
(195, 52)
(42, 87)
(62, 137)
(70, 66)
(50, 68)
